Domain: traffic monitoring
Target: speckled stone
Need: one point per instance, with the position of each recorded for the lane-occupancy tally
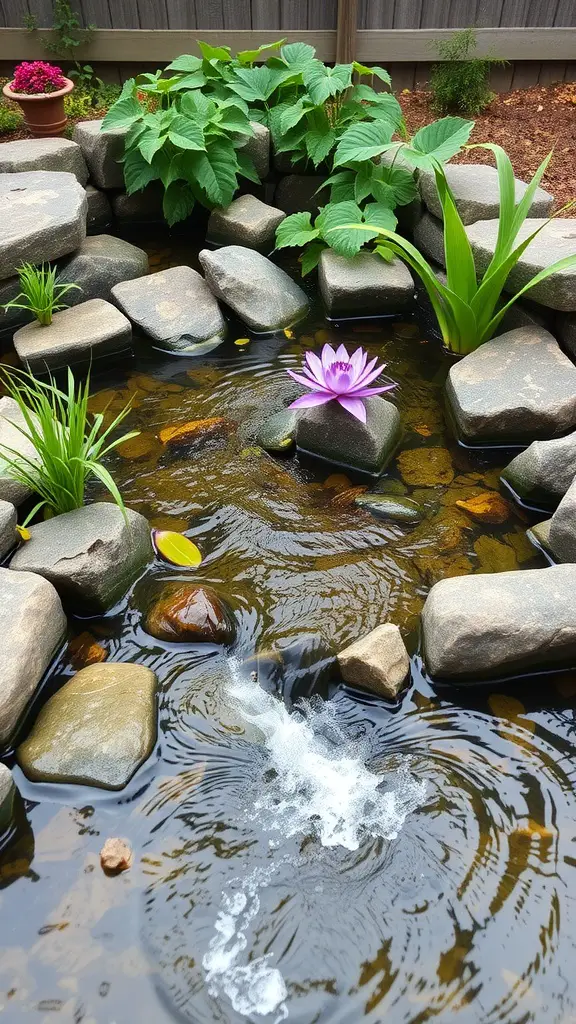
(90, 330)
(43, 217)
(333, 434)
(365, 285)
(476, 192)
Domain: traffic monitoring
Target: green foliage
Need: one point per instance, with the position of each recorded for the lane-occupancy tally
(10, 119)
(466, 307)
(70, 443)
(67, 35)
(342, 226)
(40, 292)
(460, 82)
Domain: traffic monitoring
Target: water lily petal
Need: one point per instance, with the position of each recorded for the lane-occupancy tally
(355, 406)
(315, 365)
(370, 371)
(337, 380)
(328, 356)
(306, 381)
(366, 392)
(309, 401)
(358, 361)
(342, 354)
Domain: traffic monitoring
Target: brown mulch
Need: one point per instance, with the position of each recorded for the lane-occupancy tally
(527, 123)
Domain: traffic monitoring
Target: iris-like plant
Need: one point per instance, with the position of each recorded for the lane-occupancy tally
(70, 444)
(466, 307)
(336, 376)
(41, 293)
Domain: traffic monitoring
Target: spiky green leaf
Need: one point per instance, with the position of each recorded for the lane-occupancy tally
(295, 230)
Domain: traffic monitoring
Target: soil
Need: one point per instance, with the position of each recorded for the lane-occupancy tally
(528, 123)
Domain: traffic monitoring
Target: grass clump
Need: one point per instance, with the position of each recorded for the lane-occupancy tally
(460, 81)
(40, 292)
(70, 443)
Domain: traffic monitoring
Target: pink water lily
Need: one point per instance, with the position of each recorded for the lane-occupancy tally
(341, 377)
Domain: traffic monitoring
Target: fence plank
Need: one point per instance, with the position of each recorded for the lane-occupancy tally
(154, 15)
(408, 14)
(346, 31)
(293, 14)
(41, 10)
(15, 12)
(488, 13)
(435, 14)
(514, 12)
(322, 14)
(376, 14)
(463, 13)
(97, 12)
(266, 14)
(235, 14)
(550, 73)
(566, 13)
(526, 74)
(541, 12)
(127, 14)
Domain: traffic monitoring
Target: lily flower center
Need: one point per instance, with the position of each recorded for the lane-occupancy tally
(341, 367)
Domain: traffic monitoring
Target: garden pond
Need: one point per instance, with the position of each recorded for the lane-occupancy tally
(354, 860)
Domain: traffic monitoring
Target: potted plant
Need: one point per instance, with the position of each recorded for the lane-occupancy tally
(40, 89)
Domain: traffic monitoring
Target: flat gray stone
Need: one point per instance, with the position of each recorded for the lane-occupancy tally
(365, 285)
(8, 534)
(102, 151)
(7, 796)
(143, 207)
(331, 433)
(429, 237)
(476, 192)
(12, 423)
(563, 527)
(378, 662)
(247, 221)
(174, 306)
(262, 294)
(296, 192)
(99, 213)
(539, 534)
(489, 625)
(515, 388)
(92, 329)
(96, 730)
(43, 216)
(91, 555)
(542, 473)
(32, 627)
(566, 329)
(257, 147)
(43, 155)
(101, 262)
(556, 241)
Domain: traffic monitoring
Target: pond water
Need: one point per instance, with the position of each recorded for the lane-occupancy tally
(350, 861)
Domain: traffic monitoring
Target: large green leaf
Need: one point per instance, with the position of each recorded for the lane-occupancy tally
(149, 143)
(123, 113)
(363, 181)
(246, 167)
(393, 186)
(256, 85)
(291, 115)
(186, 62)
(320, 137)
(298, 55)
(137, 171)
(185, 134)
(215, 172)
(297, 230)
(311, 256)
(323, 82)
(198, 107)
(346, 228)
(178, 202)
(439, 141)
(233, 120)
(214, 52)
(192, 81)
(373, 72)
(249, 56)
(362, 142)
(341, 186)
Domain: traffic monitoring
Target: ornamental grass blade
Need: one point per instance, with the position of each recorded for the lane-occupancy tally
(460, 269)
(176, 548)
(564, 264)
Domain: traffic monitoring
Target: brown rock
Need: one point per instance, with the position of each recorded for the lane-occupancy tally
(378, 662)
(83, 650)
(185, 432)
(188, 613)
(426, 467)
(115, 856)
(488, 507)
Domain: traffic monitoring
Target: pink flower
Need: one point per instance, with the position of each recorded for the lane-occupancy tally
(37, 76)
(339, 376)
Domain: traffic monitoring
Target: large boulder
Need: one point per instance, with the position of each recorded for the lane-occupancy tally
(247, 221)
(91, 555)
(189, 613)
(500, 624)
(103, 151)
(257, 148)
(515, 388)
(296, 192)
(262, 294)
(543, 472)
(96, 730)
(12, 440)
(331, 433)
(101, 262)
(555, 241)
(429, 237)
(43, 216)
(32, 627)
(92, 329)
(365, 285)
(476, 192)
(145, 207)
(8, 534)
(99, 212)
(43, 155)
(563, 527)
(378, 662)
(174, 307)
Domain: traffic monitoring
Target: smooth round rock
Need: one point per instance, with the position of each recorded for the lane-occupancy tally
(189, 613)
(383, 506)
(278, 433)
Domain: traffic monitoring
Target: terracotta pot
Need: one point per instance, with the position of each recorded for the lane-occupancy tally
(44, 112)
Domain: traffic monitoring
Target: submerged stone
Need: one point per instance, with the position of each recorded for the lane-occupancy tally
(378, 662)
(517, 387)
(384, 506)
(426, 467)
(278, 433)
(488, 507)
(544, 471)
(96, 730)
(500, 624)
(89, 331)
(189, 613)
(331, 433)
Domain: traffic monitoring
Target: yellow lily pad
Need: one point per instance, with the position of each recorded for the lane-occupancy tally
(176, 548)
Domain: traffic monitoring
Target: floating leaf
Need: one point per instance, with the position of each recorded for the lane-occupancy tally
(23, 532)
(488, 507)
(176, 548)
(242, 341)
(191, 430)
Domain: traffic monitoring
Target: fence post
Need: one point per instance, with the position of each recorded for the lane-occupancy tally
(346, 31)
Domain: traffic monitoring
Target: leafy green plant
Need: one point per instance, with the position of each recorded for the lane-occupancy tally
(40, 292)
(364, 191)
(70, 444)
(465, 306)
(192, 144)
(10, 120)
(460, 81)
(67, 35)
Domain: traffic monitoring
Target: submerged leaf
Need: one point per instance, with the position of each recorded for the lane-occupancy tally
(176, 548)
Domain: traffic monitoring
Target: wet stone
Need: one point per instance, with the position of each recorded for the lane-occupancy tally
(96, 730)
(189, 613)
(8, 534)
(332, 434)
(539, 534)
(384, 506)
(257, 148)
(247, 221)
(12, 423)
(378, 662)
(477, 193)
(261, 294)
(43, 216)
(516, 388)
(145, 207)
(7, 796)
(544, 471)
(88, 331)
(99, 212)
(101, 262)
(563, 527)
(278, 433)
(103, 151)
(365, 285)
